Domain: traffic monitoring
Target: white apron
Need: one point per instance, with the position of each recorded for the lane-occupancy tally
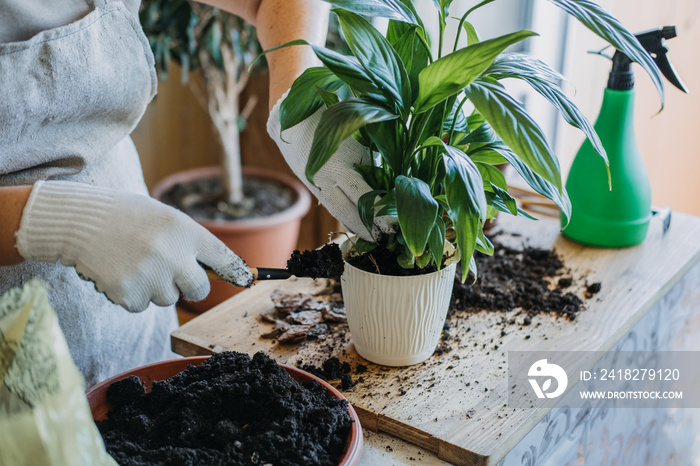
(69, 98)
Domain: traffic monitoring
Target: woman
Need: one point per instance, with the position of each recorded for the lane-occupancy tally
(76, 78)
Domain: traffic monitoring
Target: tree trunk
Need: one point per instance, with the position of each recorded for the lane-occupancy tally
(232, 182)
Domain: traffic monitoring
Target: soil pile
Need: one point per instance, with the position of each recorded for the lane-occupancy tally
(231, 410)
(532, 279)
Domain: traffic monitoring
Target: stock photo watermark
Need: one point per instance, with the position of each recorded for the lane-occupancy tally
(625, 379)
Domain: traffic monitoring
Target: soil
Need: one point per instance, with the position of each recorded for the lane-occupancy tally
(230, 410)
(326, 262)
(514, 285)
(201, 199)
(381, 260)
(516, 289)
(532, 279)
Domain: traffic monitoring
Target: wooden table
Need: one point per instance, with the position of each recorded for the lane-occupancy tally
(455, 404)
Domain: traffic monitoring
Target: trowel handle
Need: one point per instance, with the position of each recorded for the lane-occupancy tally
(259, 273)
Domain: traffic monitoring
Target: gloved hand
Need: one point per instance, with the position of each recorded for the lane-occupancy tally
(134, 248)
(338, 185)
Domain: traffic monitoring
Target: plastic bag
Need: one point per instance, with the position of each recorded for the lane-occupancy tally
(45, 418)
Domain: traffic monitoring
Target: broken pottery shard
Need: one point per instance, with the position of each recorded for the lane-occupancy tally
(318, 330)
(294, 334)
(305, 317)
(287, 303)
(334, 312)
(280, 327)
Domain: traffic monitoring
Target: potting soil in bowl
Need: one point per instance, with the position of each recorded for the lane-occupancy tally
(230, 410)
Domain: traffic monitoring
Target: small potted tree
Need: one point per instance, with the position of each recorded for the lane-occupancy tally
(434, 165)
(256, 212)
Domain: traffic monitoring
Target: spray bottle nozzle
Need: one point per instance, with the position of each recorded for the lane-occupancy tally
(668, 32)
(621, 76)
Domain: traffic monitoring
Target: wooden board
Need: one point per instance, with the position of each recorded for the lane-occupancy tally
(454, 404)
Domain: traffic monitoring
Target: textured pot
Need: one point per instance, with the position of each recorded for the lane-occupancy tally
(396, 321)
(97, 396)
(261, 242)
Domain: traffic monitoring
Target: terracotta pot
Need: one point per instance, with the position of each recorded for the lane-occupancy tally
(261, 242)
(97, 396)
(396, 321)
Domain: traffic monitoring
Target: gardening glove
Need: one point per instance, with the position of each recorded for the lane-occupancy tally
(134, 248)
(338, 185)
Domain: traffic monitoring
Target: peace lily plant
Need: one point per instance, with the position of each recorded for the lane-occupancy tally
(434, 167)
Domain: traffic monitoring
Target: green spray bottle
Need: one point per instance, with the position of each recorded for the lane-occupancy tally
(616, 213)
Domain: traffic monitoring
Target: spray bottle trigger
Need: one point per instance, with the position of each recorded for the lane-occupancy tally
(667, 69)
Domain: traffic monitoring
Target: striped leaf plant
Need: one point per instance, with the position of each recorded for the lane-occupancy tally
(434, 166)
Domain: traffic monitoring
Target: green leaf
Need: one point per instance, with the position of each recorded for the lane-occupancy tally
(502, 201)
(472, 35)
(329, 98)
(365, 207)
(375, 177)
(443, 7)
(303, 99)
(483, 244)
(485, 155)
(339, 122)
(543, 79)
(482, 134)
(436, 241)
(417, 211)
(491, 176)
(450, 74)
(406, 259)
(535, 181)
(387, 205)
(413, 55)
(392, 9)
(345, 67)
(423, 260)
(516, 128)
(395, 33)
(383, 135)
(609, 28)
(363, 246)
(463, 171)
(461, 123)
(472, 269)
(462, 211)
(376, 55)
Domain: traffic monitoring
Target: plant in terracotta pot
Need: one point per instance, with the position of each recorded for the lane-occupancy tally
(433, 162)
(257, 215)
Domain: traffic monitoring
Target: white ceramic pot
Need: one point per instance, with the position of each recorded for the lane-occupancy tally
(396, 321)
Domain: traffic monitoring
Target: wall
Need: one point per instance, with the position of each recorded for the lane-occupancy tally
(669, 141)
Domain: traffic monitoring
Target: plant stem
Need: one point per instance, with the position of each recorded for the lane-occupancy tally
(464, 18)
(442, 36)
(426, 46)
(454, 120)
(415, 137)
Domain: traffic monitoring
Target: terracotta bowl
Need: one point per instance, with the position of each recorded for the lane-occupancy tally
(97, 396)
